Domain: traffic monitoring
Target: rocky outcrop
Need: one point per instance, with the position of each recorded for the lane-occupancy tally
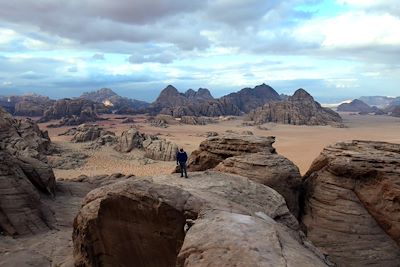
(192, 120)
(24, 176)
(248, 99)
(357, 106)
(71, 112)
(23, 137)
(269, 169)
(26, 105)
(89, 133)
(352, 207)
(253, 157)
(167, 221)
(395, 111)
(215, 149)
(192, 103)
(299, 109)
(154, 147)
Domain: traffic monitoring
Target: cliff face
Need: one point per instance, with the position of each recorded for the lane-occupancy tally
(299, 109)
(352, 207)
(24, 176)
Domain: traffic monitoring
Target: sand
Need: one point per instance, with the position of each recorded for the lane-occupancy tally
(301, 144)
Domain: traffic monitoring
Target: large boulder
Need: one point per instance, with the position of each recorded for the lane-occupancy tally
(23, 137)
(24, 176)
(352, 207)
(89, 133)
(21, 209)
(154, 147)
(167, 221)
(299, 109)
(270, 169)
(215, 149)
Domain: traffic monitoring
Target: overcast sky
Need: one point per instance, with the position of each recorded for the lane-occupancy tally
(335, 49)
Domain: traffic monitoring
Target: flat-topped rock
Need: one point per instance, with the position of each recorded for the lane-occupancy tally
(351, 204)
(168, 221)
(215, 149)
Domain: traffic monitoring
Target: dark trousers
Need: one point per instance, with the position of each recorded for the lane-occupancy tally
(182, 166)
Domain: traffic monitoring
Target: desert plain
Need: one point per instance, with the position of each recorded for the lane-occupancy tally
(300, 144)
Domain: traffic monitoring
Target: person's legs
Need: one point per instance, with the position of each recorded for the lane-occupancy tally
(182, 167)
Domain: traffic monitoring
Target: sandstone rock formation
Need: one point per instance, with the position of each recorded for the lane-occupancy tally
(299, 109)
(116, 103)
(269, 169)
(89, 133)
(24, 176)
(72, 112)
(167, 221)
(23, 137)
(248, 99)
(26, 105)
(191, 103)
(253, 157)
(357, 106)
(215, 149)
(192, 120)
(154, 147)
(352, 207)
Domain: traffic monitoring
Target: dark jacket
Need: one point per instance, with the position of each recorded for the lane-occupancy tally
(181, 156)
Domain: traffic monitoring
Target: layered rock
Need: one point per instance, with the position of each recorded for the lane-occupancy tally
(215, 149)
(26, 105)
(72, 112)
(89, 133)
(23, 137)
(192, 120)
(299, 109)
(200, 94)
(352, 208)
(357, 106)
(167, 221)
(24, 175)
(269, 169)
(154, 147)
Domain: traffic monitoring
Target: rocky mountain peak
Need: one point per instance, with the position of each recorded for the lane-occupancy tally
(301, 94)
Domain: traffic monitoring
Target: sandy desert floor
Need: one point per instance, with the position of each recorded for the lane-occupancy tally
(301, 144)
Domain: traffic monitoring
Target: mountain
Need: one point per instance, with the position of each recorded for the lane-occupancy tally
(202, 103)
(248, 99)
(25, 105)
(299, 109)
(380, 101)
(114, 101)
(357, 106)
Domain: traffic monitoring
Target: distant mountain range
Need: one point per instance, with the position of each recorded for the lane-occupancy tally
(192, 103)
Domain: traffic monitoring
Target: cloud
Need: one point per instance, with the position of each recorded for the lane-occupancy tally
(98, 57)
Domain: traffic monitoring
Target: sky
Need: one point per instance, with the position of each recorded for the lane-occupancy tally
(335, 49)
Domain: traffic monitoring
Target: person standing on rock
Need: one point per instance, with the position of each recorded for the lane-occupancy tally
(181, 158)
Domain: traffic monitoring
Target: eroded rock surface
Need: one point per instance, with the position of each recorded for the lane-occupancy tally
(299, 109)
(24, 177)
(215, 149)
(142, 222)
(269, 169)
(88, 133)
(154, 147)
(352, 207)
